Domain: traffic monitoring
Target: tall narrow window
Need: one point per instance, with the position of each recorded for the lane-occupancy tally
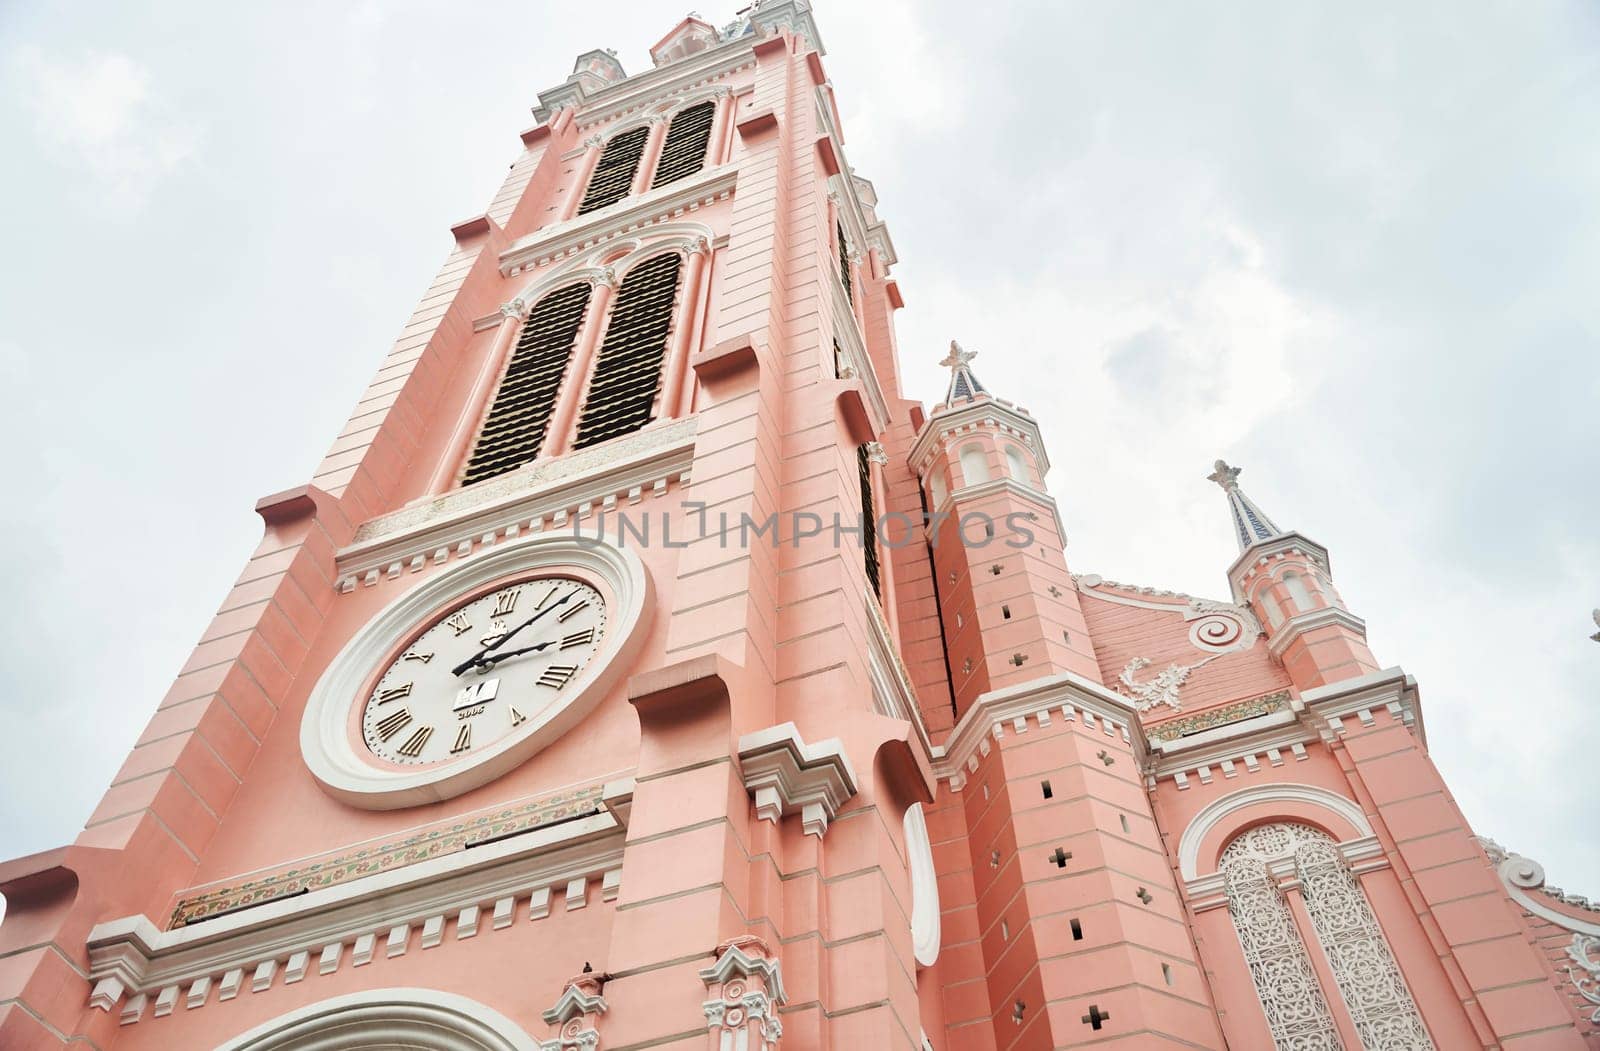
(1297, 1012)
(1296, 587)
(844, 265)
(613, 174)
(869, 519)
(627, 372)
(515, 428)
(684, 151)
(974, 465)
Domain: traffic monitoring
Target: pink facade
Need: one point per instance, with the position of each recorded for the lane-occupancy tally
(568, 704)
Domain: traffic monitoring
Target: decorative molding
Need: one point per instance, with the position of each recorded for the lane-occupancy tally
(631, 213)
(576, 1015)
(746, 989)
(1162, 688)
(364, 860)
(1297, 625)
(1585, 952)
(419, 1018)
(783, 773)
(1524, 881)
(1214, 812)
(1212, 718)
(558, 492)
(426, 895)
(950, 423)
(892, 692)
(344, 769)
(925, 910)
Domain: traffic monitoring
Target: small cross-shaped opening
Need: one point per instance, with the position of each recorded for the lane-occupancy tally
(994, 570)
(1019, 1010)
(1104, 757)
(1055, 592)
(1144, 896)
(1018, 659)
(1060, 857)
(1077, 930)
(1044, 786)
(1096, 1017)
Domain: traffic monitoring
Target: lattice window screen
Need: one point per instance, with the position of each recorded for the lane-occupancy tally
(684, 151)
(1369, 979)
(613, 174)
(627, 372)
(515, 428)
(1297, 1013)
(844, 266)
(869, 520)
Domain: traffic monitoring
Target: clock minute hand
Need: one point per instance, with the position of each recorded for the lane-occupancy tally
(495, 658)
(477, 658)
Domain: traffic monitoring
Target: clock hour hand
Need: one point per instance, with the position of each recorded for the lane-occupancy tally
(489, 661)
(476, 659)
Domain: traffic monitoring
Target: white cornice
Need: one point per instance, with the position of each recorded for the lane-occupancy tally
(784, 774)
(1065, 696)
(947, 421)
(986, 489)
(630, 213)
(1328, 616)
(569, 488)
(131, 955)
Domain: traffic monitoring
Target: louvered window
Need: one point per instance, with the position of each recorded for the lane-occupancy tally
(684, 151)
(613, 175)
(628, 370)
(844, 267)
(869, 519)
(515, 427)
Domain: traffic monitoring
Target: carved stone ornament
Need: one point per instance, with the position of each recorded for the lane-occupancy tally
(746, 990)
(517, 308)
(876, 454)
(1162, 689)
(958, 357)
(576, 1016)
(1585, 953)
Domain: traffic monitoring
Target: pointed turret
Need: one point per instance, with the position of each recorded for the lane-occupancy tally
(1250, 523)
(964, 386)
(1286, 579)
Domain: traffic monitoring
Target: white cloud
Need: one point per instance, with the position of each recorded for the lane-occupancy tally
(98, 116)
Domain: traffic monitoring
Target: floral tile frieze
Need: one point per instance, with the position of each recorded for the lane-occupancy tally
(1232, 713)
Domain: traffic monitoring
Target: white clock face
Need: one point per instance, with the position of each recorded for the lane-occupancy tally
(483, 669)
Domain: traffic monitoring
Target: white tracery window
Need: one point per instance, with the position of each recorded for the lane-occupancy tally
(974, 465)
(1369, 981)
(1296, 586)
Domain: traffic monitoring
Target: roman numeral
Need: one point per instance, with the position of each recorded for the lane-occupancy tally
(506, 602)
(558, 675)
(459, 622)
(547, 597)
(392, 723)
(413, 746)
(578, 638)
(570, 610)
(517, 718)
(463, 739)
(393, 693)
(413, 655)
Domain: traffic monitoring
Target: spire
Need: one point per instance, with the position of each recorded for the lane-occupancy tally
(964, 386)
(1249, 521)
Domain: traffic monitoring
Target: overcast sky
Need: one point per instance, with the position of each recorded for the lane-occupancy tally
(1352, 247)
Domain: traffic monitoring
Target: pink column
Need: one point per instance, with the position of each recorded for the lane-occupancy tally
(717, 148)
(652, 153)
(558, 439)
(581, 182)
(444, 475)
(675, 391)
(1290, 889)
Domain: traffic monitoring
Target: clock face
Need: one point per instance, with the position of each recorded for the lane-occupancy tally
(482, 669)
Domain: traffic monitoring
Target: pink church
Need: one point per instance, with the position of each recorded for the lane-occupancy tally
(642, 669)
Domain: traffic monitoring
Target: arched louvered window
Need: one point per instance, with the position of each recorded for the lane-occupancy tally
(613, 174)
(869, 519)
(684, 151)
(628, 370)
(514, 430)
(844, 265)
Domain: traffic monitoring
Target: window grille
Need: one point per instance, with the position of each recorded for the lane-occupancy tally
(514, 429)
(627, 372)
(684, 151)
(869, 520)
(844, 266)
(613, 174)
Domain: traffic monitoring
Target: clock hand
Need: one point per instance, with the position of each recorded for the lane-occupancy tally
(477, 658)
(495, 658)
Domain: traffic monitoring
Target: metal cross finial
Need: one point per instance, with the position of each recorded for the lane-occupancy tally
(957, 357)
(1225, 476)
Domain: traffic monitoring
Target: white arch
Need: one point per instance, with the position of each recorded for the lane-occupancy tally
(1215, 811)
(974, 464)
(1299, 594)
(586, 266)
(1017, 461)
(388, 1018)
